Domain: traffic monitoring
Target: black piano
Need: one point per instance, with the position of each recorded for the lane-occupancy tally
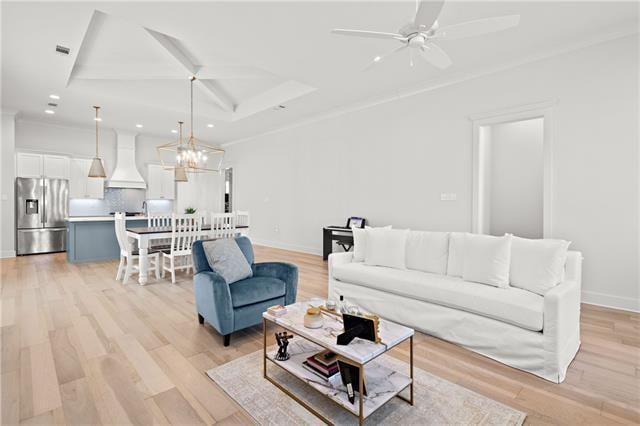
(343, 235)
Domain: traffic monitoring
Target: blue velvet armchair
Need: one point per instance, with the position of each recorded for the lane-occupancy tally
(232, 307)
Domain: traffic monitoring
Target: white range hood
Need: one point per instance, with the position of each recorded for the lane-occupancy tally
(126, 173)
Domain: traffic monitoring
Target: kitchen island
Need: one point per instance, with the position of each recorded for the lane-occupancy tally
(92, 238)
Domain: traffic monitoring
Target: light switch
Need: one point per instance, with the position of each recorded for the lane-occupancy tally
(448, 196)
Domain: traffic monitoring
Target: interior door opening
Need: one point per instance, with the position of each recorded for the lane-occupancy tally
(511, 170)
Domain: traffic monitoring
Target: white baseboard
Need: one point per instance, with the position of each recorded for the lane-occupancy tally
(286, 246)
(609, 301)
(7, 253)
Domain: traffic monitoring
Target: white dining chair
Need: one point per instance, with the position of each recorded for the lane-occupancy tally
(223, 225)
(242, 218)
(160, 221)
(129, 258)
(185, 230)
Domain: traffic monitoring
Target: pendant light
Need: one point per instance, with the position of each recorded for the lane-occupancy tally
(179, 173)
(97, 169)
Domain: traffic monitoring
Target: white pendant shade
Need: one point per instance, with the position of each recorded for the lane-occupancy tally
(97, 169)
(180, 174)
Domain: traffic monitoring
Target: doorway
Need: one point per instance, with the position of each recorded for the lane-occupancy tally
(228, 190)
(512, 173)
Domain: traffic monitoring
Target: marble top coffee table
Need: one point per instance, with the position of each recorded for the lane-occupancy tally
(382, 383)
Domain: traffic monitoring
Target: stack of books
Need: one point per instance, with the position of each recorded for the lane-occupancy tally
(323, 364)
(277, 310)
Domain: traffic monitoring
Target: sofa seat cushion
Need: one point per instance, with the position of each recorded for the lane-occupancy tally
(512, 305)
(255, 289)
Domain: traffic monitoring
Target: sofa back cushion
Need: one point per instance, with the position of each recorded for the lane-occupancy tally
(537, 265)
(487, 259)
(428, 251)
(386, 247)
(360, 239)
(455, 260)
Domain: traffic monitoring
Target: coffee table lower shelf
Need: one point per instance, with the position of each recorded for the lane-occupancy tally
(382, 383)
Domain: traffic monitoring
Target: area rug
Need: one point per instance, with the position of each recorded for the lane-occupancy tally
(436, 401)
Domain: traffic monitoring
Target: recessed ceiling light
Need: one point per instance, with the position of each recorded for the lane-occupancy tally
(174, 131)
(209, 125)
(376, 59)
(49, 111)
(139, 126)
(54, 96)
(98, 119)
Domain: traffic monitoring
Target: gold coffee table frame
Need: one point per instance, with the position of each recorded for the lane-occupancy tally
(361, 366)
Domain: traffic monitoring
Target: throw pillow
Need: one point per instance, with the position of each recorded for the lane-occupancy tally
(360, 242)
(537, 265)
(226, 259)
(455, 262)
(386, 247)
(487, 260)
(428, 251)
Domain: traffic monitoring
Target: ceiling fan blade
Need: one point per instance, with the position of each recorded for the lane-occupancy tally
(427, 14)
(435, 56)
(379, 59)
(479, 27)
(370, 34)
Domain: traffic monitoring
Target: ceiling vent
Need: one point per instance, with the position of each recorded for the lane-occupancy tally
(52, 104)
(62, 49)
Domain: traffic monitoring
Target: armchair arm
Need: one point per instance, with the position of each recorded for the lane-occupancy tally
(213, 300)
(286, 272)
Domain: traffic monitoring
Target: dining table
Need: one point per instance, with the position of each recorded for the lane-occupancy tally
(144, 236)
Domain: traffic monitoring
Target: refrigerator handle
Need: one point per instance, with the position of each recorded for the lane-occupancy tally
(44, 201)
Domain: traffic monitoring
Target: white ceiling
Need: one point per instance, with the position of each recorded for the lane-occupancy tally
(134, 59)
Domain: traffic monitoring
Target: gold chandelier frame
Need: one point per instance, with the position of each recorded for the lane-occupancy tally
(200, 150)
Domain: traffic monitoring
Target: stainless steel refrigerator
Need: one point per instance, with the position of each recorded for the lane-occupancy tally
(41, 208)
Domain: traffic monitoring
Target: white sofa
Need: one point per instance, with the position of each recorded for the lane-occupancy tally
(535, 333)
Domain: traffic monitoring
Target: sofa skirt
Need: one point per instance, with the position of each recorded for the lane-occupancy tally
(509, 344)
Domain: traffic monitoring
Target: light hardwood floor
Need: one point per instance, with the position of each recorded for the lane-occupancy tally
(79, 347)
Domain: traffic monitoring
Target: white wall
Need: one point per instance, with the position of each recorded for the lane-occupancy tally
(390, 163)
(516, 180)
(7, 174)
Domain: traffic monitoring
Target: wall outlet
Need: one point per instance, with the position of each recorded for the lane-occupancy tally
(448, 196)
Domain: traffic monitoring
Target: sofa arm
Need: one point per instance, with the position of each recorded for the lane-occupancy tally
(286, 272)
(561, 326)
(213, 300)
(339, 259)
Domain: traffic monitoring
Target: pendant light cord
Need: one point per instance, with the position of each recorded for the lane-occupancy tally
(193, 77)
(97, 109)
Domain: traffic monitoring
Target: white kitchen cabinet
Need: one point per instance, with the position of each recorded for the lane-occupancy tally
(81, 185)
(36, 165)
(28, 165)
(160, 183)
(56, 166)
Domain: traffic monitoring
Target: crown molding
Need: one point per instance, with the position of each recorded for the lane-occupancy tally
(434, 84)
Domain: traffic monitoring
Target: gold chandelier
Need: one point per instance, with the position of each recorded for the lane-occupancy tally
(192, 156)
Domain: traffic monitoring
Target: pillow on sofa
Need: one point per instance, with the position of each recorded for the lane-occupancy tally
(455, 260)
(226, 259)
(360, 242)
(428, 251)
(487, 259)
(386, 247)
(537, 265)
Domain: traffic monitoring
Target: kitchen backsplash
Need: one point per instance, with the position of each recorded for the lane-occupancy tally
(117, 200)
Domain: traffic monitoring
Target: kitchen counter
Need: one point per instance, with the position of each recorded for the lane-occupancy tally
(93, 238)
(100, 218)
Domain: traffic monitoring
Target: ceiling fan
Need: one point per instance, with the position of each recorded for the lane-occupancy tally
(423, 31)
